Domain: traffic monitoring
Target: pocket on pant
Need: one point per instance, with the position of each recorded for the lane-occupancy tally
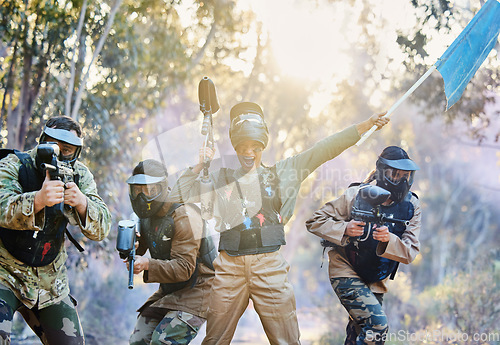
(345, 289)
(193, 321)
(347, 294)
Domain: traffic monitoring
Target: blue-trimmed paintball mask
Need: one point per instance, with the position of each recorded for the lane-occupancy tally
(64, 136)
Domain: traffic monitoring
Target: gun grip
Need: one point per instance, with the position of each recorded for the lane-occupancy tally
(58, 208)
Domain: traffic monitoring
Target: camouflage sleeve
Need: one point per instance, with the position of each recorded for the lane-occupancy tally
(17, 207)
(330, 221)
(98, 217)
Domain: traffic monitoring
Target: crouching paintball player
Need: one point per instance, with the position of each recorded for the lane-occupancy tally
(41, 191)
(181, 260)
(370, 229)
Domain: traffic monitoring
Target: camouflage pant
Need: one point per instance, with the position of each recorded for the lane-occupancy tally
(57, 324)
(367, 320)
(176, 328)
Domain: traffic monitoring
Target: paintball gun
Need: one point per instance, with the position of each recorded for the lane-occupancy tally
(46, 156)
(368, 208)
(208, 106)
(125, 244)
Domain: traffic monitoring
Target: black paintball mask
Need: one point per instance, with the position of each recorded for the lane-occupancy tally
(49, 134)
(395, 172)
(247, 123)
(148, 188)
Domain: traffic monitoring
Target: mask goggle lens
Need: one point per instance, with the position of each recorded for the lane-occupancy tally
(253, 118)
(395, 176)
(151, 191)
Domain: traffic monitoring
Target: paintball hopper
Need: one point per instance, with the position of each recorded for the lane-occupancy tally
(208, 101)
(374, 195)
(126, 236)
(46, 151)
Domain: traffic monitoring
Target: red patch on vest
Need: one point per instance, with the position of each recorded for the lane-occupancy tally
(261, 218)
(46, 248)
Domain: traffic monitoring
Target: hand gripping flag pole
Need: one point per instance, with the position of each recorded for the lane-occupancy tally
(462, 59)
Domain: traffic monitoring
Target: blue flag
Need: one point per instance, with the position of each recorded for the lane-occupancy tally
(463, 57)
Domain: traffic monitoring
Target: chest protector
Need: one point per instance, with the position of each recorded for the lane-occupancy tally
(35, 248)
(262, 233)
(158, 233)
(361, 252)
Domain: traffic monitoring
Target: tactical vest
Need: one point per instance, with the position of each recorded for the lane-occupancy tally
(158, 232)
(261, 233)
(35, 248)
(361, 252)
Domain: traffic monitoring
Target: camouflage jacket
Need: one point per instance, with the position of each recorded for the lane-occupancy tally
(48, 284)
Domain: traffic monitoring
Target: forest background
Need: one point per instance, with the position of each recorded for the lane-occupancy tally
(128, 71)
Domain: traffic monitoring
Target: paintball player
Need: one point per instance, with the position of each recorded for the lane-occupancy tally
(33, 277)
(361, 264)
(252, 205)
(180, 260)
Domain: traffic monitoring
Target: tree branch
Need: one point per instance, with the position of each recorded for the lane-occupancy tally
(97, 51)
(74, 58)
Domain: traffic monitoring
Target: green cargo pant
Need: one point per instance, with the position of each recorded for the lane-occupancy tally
(367, 320)
(176, 328)
(57, 324)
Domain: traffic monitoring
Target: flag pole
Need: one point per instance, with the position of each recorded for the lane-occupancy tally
(401, 100)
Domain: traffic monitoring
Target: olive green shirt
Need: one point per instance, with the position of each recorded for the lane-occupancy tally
(48, 284)
(291, 172)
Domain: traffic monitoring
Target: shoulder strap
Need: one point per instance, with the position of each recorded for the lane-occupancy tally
(5, 152)
(29, 179)
(74, 241)
(172, 208)
(225, 173)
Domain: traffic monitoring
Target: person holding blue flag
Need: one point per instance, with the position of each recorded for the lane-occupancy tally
(252, 203)
(363, 255)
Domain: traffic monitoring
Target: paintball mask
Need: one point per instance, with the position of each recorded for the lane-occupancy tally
(395, 172)
(247, 123)
(148, 188)
(66, 137)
